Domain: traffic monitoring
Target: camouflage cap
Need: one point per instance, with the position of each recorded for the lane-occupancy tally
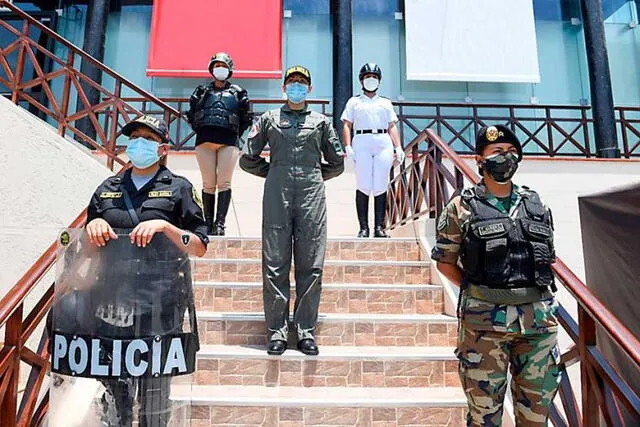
(158, 126)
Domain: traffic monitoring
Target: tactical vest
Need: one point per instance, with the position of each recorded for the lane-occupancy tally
(500, 251)
(218, 108)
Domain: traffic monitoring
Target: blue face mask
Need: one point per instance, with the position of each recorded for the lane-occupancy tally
(296, 92)
(142, 152)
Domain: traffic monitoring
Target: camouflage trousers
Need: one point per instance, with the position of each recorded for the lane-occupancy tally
(534, 362)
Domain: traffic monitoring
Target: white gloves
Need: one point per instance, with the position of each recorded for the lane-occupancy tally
(350, 153)
(399, 154)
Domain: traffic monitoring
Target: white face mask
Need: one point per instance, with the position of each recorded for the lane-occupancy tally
(370, 84)
(221, 73)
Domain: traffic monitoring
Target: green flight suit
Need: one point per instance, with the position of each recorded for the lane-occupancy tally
(294, 214)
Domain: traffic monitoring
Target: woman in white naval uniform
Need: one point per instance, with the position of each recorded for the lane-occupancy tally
(371, 121)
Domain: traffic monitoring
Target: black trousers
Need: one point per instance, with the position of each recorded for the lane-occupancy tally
(122, 394)
(152, 394)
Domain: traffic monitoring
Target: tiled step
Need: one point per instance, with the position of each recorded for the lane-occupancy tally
(336, 298)
(335, 367)
(250, 270)
(294, 406)
(397, 249)
(336, 329)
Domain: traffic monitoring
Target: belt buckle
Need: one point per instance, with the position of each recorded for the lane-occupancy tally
(374, 131)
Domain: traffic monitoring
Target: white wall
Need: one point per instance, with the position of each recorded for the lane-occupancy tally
(47, 182)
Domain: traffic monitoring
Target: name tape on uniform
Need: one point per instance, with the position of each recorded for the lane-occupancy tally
(539, 229)
(110, 194)
(488, 230)
(99, 357)
(160, 193)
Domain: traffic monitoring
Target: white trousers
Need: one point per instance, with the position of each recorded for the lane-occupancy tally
(373, 160)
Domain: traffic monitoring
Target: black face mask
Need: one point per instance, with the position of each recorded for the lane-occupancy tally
(500, 167)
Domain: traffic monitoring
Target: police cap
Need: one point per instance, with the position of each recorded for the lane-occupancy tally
(157, 126)
(497, 134)
(298, 69)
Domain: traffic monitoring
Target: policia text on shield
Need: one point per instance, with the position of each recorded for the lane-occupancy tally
(502, 235)
(294, 208)
(145, 223)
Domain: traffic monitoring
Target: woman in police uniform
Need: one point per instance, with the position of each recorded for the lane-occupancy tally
(495, 241)
(372, 149)
(219, 114)
(146, 200)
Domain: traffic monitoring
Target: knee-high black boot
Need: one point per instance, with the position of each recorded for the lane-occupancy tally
(209, 205)
(224, 199)
(380, 208)
(362, 209)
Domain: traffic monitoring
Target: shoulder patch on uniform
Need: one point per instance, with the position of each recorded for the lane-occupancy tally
(443, 221)
(166, 193)
(196, 197)
(65, 238)
(111, 194)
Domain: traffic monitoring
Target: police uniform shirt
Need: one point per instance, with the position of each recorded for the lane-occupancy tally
(369, 113)
(166, 196)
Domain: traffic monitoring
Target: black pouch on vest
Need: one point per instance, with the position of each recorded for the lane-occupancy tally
(539, 237)
(491, 241)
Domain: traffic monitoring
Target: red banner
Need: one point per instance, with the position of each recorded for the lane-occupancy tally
(186, 33)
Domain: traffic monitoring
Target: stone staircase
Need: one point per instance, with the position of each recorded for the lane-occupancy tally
(386, 350)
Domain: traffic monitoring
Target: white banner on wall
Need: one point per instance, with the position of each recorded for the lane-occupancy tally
(471, 41)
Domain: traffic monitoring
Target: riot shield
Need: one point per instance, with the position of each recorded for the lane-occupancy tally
(123, 335)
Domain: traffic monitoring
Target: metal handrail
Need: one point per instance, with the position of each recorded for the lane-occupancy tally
(545, 129)
(56, 105)
(85, 56)
(418, 188)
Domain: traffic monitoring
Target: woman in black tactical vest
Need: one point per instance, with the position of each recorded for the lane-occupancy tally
(219, 115)
(495, 241)
(147, 201)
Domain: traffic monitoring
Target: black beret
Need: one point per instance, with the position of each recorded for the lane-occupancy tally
(497, 134)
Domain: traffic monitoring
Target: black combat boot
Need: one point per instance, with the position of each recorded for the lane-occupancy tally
(224, 199)
(209, 205)
(362, 209)
(276, 347)
(380, 208)
(308, 346)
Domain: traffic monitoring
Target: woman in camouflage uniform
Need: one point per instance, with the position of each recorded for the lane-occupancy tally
(495, 241)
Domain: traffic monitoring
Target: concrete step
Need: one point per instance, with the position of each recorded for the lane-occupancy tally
(336, 329)
(334, 367)
(396, 249)
(336, 298)
(325, 406)
(335, 271)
